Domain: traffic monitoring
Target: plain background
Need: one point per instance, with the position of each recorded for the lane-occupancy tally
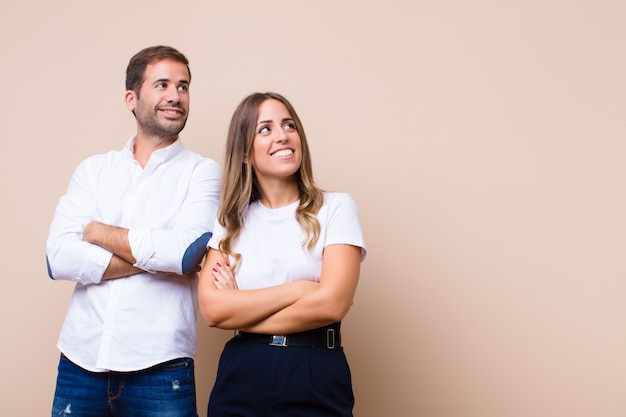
(483, 141)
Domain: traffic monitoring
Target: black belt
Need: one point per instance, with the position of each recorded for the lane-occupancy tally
(327, 337)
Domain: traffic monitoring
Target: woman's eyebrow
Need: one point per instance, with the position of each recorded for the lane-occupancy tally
(286, 119)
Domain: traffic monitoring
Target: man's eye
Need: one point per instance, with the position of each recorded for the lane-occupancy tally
(183, 87)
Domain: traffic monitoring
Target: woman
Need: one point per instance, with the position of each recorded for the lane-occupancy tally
(282, 269)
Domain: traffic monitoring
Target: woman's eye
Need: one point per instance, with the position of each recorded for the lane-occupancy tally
(264, 129)
(290, 126)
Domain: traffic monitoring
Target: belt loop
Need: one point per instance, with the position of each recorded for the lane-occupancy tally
(330, 338)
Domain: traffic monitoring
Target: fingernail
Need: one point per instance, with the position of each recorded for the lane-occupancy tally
(218, 264)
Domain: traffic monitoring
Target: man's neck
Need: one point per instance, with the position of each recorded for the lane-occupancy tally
(145, 146)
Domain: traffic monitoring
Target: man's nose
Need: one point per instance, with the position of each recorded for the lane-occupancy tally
(173, 95)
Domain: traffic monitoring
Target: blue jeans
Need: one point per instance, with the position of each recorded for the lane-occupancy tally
(165, 390)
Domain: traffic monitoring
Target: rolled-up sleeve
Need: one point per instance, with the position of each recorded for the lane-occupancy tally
(68, 257)
(180, 246)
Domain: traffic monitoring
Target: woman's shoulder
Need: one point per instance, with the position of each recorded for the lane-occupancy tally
(336, 201)
(337, 197)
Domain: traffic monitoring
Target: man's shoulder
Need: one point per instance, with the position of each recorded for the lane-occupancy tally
(101, 158)
(199, 159)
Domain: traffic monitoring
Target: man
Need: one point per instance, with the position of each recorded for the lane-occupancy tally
(131, 231)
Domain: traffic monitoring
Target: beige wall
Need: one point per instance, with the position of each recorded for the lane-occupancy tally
(484, 142)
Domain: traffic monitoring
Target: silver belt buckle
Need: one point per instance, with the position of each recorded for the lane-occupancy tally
(278, 340)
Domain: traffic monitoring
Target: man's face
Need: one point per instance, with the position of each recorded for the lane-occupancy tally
(162, 103)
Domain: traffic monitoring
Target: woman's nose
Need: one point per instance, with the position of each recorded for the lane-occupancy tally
(281, 135)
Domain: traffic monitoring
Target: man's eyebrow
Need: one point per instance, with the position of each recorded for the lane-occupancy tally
(160, 80)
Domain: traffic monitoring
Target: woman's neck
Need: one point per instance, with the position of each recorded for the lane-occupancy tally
(279, 193)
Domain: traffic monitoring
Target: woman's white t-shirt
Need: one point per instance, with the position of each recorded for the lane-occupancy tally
(271, 241)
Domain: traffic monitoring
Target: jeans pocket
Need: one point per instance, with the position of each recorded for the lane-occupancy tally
(174, 364)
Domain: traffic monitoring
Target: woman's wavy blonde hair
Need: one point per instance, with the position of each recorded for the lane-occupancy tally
(239, 184)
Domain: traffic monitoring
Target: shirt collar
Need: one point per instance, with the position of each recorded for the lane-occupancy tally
(160, 155)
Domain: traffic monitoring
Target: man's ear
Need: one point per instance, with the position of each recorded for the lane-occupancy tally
(130, 98)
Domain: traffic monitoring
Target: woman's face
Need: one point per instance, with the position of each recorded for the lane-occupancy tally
(276, 146)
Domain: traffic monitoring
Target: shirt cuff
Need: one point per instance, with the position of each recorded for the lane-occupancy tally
(93, 265)
(142, 248)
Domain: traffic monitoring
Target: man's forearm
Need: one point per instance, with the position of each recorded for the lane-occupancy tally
(112, 238)
(119, 268)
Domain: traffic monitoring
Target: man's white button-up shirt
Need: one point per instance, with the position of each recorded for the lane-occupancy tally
(169, 206)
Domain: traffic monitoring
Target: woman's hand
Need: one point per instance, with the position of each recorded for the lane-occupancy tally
(223, 277)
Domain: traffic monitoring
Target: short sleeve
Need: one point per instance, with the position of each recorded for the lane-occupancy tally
(343, 224)
(218, 234)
